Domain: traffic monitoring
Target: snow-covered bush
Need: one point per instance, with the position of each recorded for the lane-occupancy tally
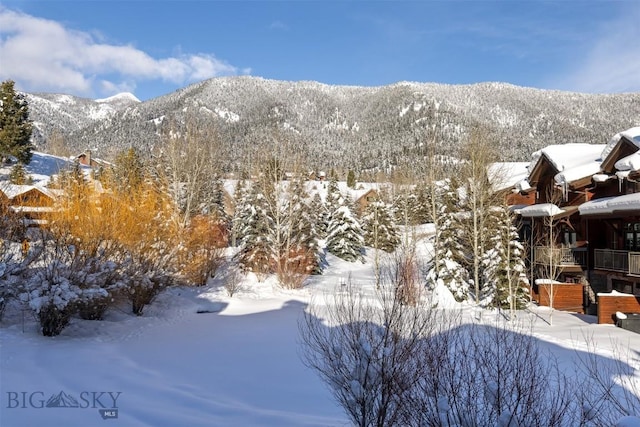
(55, 288)
(101, 284)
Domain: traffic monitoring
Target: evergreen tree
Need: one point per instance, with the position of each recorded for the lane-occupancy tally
(344, 235)
(506, 283)
(214, 201)
(449, 270)
(304, 239)
(319, 216)
(73, 177)
(257, 248)
(334, 197)
(128, 172)
(351, 179)
(15, 126)
(19, 175)
(241, 213)
(380, 230)
(419, 205)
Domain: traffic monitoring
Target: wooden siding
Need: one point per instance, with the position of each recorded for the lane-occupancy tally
(568, 296)
(609, 304)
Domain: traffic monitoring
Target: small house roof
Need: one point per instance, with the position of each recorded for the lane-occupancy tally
(505, 175)
(11, 191)
(632, 134)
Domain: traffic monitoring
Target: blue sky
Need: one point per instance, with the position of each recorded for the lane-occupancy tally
(98, 48)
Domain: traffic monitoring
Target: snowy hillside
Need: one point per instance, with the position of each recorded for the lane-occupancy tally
(370, 128)
(63, 114)
(41, 167)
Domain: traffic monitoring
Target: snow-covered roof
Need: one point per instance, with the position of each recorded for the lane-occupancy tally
(539, 210)
(583, 171)
(504, 175)
(572, 161)
(629, 163)
(632, 134)
(362, 188)
(609, 205)
(13, 190)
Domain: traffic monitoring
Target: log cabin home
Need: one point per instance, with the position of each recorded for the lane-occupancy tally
(31, 203)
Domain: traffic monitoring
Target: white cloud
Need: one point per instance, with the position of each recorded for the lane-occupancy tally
(43, 55)
(612, 64)
(278, 25)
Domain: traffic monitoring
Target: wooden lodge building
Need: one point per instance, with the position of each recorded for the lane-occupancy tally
(31, 203)
(583, 226)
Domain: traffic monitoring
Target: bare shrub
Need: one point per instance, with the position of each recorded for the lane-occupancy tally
(232, 281)
(610, 390)
(491, 375)
(202, 250)
(403, 271)
(294, 267)
(367, 352)
(388, 363)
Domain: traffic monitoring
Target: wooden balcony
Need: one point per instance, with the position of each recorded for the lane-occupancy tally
(615, 260)
(563, 257)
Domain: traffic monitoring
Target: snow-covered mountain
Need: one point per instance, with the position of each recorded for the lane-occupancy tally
(63, 114)
(341, 126)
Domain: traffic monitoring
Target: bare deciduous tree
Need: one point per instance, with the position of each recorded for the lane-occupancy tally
(547, 255)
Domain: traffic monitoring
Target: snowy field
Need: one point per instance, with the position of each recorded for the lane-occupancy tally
(200, 358)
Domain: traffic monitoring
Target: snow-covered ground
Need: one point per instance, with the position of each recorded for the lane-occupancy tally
(198, 357)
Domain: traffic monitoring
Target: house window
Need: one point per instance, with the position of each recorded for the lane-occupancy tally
(570, 237)
(632, 236)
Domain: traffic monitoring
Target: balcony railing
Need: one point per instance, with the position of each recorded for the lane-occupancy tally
(634, 263)
(561, 256)
(611, 260)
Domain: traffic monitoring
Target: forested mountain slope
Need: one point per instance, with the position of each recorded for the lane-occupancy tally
(338, 126)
